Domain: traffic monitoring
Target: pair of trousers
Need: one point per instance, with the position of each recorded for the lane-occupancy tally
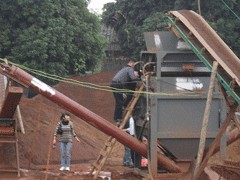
(127, 158)
(119, 101)
(131, 87)
(65, 149)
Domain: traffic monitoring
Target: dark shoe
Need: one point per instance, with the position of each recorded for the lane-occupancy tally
(128, 165)
(125, 164)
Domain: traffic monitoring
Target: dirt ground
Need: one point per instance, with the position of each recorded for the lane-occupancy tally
(38, 160)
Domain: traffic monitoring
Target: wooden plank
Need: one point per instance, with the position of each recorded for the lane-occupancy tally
(2, 90)
(11, 101)
(206, 118)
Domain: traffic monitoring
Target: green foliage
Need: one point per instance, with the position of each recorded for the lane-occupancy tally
(155, 22)
(59, 37)
(224, 21)
(131, 18)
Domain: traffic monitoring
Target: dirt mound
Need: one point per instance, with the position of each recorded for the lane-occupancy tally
(41, 115)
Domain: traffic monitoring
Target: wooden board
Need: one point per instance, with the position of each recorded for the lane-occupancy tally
(11, 101)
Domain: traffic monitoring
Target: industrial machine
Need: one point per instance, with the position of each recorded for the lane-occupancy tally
(176, 97)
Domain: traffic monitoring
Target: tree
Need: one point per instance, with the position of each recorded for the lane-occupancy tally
(224, 17)
(59, 37)
(131, 18)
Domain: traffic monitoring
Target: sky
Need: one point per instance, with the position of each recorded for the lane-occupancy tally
(97, 5)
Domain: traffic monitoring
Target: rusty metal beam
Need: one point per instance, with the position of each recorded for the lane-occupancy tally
(85, 114)
(11, 101)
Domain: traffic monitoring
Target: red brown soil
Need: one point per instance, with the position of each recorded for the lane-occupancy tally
(40, 117)
(42, 114)
(37, 158)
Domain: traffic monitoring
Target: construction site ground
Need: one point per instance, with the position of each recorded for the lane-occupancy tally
(38, 160)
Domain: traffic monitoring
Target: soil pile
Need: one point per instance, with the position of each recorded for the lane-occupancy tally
(40, 117)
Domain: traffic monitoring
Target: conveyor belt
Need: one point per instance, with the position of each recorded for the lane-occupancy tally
(209, 47)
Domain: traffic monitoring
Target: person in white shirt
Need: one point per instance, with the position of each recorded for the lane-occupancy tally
(127, 158)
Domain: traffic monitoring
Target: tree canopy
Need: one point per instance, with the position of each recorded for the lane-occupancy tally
(60, 37)
(131, 18)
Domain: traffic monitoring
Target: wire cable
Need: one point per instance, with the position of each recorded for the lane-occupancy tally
(231, 10)
(99, 87)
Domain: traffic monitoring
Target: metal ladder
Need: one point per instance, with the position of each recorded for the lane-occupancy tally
(109, 144)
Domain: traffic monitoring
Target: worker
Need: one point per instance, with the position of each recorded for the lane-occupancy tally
(125, 79)
(128, 157)
(65, 130)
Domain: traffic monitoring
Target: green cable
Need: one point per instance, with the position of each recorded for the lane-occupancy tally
(94, 86)
(231, 10)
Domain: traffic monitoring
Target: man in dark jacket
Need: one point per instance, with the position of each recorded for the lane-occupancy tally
(124, 80)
